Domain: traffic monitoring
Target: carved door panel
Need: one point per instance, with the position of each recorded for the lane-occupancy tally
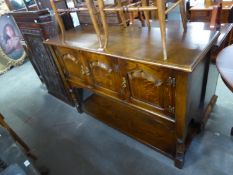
(104, 73)
(149, 87)
(42, 59)
(72, 66)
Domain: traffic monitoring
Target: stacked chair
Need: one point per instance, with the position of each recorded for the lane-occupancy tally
(98, 11)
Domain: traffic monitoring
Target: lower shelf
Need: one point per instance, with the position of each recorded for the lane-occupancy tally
(133, 122)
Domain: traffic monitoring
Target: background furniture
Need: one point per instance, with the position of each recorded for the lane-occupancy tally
(22, 5)
(224, 64)
(203, 12)
(36, 27)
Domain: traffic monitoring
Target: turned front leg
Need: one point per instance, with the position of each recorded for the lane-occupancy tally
(181, 114)
(77, 96)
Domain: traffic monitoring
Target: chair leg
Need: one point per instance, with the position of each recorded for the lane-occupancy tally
(104, 21)
(121, 14)
(17, 138)
(161, 15)
(146, 13)
(232, 131)
(59, 19)
(90, 6)
(183, 14)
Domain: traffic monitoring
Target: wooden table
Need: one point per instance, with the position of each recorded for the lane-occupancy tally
(161, 103)
(202, 13)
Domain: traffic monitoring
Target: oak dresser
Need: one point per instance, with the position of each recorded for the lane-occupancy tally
(161, 103)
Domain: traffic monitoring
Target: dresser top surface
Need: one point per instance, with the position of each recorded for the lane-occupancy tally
(185, 49)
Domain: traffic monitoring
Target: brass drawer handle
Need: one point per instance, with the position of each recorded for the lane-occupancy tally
(124, 83)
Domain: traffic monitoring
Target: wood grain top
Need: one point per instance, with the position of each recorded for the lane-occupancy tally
(185, 50)
(224, 64)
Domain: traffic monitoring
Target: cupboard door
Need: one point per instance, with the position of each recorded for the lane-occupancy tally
(104, 73)
(71, 62)
(150, 87)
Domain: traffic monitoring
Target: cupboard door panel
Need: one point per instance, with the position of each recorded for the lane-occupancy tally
(150, 87)
(71, 62)
(146, 87)
(104, 73)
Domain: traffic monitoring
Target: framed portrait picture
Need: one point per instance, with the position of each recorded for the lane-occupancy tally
(10, 38)
(22, 5)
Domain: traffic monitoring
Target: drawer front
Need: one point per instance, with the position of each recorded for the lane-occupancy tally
(71, 63)
(150, 87)
(104, 73)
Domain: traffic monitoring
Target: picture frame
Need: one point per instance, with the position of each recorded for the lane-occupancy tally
(12, 52)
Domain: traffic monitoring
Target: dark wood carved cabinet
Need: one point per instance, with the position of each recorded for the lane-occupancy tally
(39, 54)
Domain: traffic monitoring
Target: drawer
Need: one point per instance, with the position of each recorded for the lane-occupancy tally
(149, 87)
(71, 63)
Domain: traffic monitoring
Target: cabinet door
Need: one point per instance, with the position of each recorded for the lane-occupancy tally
(149, 87)
(72, 66)
(104, 73)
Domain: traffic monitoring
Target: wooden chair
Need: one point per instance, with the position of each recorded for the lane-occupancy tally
(157, 5)
(141, 6)
(92, 12)
(89, 6)
(119, 18)
(224, 64)
(16, 137)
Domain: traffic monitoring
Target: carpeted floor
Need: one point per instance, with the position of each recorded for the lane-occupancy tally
(72, 144)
